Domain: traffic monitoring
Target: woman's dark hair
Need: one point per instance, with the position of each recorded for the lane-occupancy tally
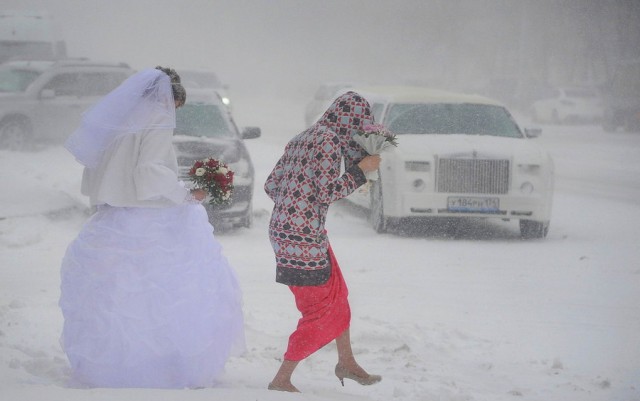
(179, 93)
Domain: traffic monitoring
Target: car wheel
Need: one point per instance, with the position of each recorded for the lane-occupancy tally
(247, 220)
(213, 218)
(378, 220)
(14, 134)
(530, 229)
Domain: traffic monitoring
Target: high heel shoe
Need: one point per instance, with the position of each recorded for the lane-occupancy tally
(275, 387)
(343, 373)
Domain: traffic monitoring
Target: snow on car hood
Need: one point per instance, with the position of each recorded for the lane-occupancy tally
(228, 149)
(422, 147)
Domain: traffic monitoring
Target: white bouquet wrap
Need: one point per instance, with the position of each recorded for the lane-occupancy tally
(374, 138)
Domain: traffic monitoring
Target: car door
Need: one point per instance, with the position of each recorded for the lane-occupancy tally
(59, 106)
(93, 85)
(66, 96)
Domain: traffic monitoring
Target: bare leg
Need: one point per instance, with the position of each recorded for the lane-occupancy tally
(282, 379)
(345, 355)
(347, 366)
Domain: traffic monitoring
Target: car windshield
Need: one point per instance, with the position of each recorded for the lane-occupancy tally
(202, 120)
(445, 118)
(16, 80)
(200, 79)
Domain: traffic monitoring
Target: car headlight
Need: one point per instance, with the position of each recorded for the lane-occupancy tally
(526, 188)
(529, 168)
(417, 166)
(241, 168)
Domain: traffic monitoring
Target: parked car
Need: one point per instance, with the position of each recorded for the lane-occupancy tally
(322, 99)
(205, 79)
(29, 35)
(622, 98)
(569, 105)
(43, 101)
(458, 156)
(206, 129)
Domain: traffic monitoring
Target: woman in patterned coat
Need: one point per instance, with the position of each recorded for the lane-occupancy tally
(304, 182)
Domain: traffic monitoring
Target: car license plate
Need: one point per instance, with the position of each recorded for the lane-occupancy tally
(473, 204)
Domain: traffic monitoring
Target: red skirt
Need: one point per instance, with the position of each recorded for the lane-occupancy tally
(325, 314)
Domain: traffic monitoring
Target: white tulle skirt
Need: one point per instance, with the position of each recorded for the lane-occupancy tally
(149, 300)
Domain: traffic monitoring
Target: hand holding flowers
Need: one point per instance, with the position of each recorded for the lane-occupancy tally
(375, 138)
(214, 177)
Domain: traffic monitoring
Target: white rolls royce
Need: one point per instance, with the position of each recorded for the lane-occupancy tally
(458, 156)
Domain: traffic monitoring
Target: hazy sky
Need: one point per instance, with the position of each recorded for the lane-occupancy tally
(290, 46)
(249, 43)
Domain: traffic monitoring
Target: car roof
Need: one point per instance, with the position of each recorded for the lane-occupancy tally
(199, 71)
(203, 95)
(43, 65)
(419, 94)
(28, 65)
(88, 63)
(194, 82)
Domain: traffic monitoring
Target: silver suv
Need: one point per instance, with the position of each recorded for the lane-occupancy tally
(43, 101)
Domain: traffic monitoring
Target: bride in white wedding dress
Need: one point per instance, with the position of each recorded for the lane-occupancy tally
(148, 298)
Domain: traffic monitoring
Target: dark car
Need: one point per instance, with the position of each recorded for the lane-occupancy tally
(206, 129)
(205, 79)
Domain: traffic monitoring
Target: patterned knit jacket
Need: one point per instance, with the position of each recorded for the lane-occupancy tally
(305, 181)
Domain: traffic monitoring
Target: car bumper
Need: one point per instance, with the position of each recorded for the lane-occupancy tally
(532, 207)
(238, 208)
(240, 205)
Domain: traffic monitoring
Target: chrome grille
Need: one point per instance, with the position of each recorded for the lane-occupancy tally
(480, 176)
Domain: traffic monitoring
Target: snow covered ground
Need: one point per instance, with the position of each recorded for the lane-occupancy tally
(480, 316)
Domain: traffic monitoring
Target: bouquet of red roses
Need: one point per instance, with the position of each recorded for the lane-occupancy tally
(214, 177)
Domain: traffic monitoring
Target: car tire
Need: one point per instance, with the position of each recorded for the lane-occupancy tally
(15, 134)
(247, 220)
(378, 220)
(531, 229)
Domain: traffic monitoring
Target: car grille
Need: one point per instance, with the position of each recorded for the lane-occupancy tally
(479, 176)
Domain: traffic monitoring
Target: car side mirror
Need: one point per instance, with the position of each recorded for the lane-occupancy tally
(47, 94)
(533, 132)
(251, 132)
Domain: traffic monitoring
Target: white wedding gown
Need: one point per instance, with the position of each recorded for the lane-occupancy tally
(149, 300)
